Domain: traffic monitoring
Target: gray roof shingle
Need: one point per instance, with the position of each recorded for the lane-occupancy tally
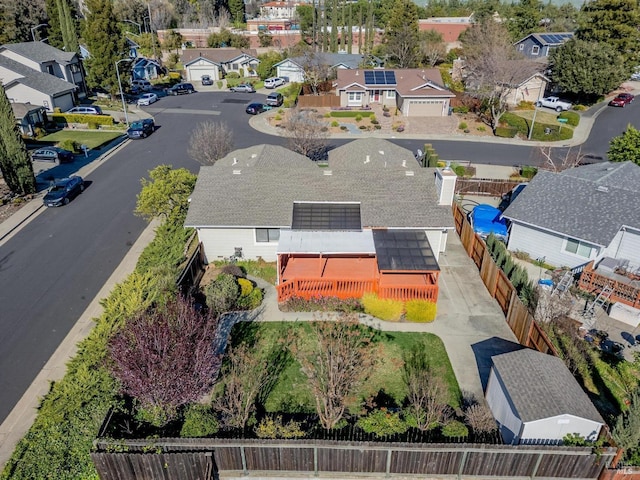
(42, 82)
(271, 178)
(40, 52)
(588, 203)
(540, 386)
(380, 153)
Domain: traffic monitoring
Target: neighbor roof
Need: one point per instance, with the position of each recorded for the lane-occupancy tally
(42, 82)
(371, 153)
(540, 386)
(551, 39)
(40, 52)
(258, 186)
(349, 60)
(215, 55)
(22, 109)
(589, 203)
(410, 82)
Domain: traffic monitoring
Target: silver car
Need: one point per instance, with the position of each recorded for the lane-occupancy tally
(243, 87)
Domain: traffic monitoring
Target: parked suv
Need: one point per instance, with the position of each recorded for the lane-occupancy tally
(86, 110)
(273, 82)
(181, 88)
(275, 99)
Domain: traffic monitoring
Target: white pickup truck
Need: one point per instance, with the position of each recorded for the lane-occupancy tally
(555, 103)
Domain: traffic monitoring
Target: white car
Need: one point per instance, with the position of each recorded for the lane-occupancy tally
(273, 82)
(147, 99)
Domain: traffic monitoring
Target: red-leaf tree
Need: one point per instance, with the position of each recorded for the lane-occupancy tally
(166, 358)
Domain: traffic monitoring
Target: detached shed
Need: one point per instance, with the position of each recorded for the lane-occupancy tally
(536, 400)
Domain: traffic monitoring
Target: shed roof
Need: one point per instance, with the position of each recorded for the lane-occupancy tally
(540, 386)
(588, 203)
(258, 186)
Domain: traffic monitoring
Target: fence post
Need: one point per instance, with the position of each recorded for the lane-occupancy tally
(388, 473)
(535, 467)
(463, 460)
(315, 461)
(244, 461)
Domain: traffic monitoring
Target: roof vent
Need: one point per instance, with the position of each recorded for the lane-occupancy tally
(381, 152)
(602, 188)
(235, 161)
(327, 173)
(254, 155)
(237, 172)
(409, 173)
(368, 159)
(404, 164)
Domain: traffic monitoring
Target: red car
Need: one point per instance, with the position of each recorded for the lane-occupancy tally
(621, 100)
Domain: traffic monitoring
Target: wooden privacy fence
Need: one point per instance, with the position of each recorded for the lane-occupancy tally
(189, 459)
(193, 270)
(484, 186)
(521, 322)
(308, 101)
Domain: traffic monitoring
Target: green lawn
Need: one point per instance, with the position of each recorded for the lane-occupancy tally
(90, 138)
(291, 394)
(544, 115)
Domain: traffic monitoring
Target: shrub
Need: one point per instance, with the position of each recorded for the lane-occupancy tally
(92, 126)
(524, 105)
(277, 117)
(335, 124)
(66, 118)
(219, 83)
(481, 128)
(382, 308)
(326, 115)
(573, 118)
(343, 127)
(383, 423)
(506, 132)
(377, 127)
(199, 421)
(250, 301)
(420, 311)
(462, 126)
(71, 145)
(358, 118)
(351, 114)
(373, 119)
(234, 270)
(222, 293)
(455, 428)
(363, 127)
(271, 427)
(321, 304)
(233, 75)
(461, 109)
(528, 171)
(246, 286)
(579, 108)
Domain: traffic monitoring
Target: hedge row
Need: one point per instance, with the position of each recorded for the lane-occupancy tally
(392, 310)
(70, 415)
(351, 113)
(66, 118)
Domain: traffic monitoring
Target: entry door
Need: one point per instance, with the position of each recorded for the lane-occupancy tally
(375, 96)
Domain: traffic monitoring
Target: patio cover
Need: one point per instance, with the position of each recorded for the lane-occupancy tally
(404, 250)
(316, 242)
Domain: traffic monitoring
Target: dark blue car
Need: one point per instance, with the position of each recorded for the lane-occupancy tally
(141, 129)
(63, 191)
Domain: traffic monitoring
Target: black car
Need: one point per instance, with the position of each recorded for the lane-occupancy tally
(63, 191)
(206, 80)
(141, 129)
(255, 108)
(180, 89)
(52, 154)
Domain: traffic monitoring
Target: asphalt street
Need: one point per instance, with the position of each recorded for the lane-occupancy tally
(54, 266)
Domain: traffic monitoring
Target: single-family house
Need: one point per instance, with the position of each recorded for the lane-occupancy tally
(44, 58)
(372, 220)
(294, 67)
(29, 117)
(145, 69)
(24, 84)
(579, 215)
(538, 46)
(414, 92)
(536, 400)
(527, 86)
(217, 62)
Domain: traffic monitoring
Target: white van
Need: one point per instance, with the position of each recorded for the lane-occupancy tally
(144, 85)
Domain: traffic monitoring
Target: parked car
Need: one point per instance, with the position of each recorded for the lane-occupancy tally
(52, 154)
(147, 99)
(63, 191)
(273, 82)
(243, 87)
(486, 219)
(621, 100)
(555, 103)
(181, 89)
(275, 99)
(206, 80)
(142, 85)
(86, 110)
(255, 108)
(141, 128)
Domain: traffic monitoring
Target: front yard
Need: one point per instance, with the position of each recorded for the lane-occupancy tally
(92, 139)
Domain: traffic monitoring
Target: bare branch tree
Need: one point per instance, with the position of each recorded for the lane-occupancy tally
(337, 363)
(315, 71)
(480, 418)
(307, 134)
(571, 159)
(551, 306)
(210, 141)
(428, 392)
(402, 47)
(432, 47)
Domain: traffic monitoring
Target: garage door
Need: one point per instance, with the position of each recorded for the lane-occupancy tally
(195, 73)
(294, 74)
(424, 108)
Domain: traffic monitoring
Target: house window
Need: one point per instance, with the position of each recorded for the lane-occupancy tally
(535, 50)
(267, 235)
(234, 66)
(354, 96)
(521, 46)
(578, 248)
(74, 68)
(391, 94)
(50, 69)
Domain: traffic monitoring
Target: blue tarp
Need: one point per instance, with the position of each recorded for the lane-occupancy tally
(486, 219)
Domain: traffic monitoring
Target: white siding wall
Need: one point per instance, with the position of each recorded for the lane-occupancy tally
(221, 242)
(553, 429)
(626, 244)
(538, 243)
(291, 70)
(196, 70)
(502, 409)
(437, 240)
(7, 75)
(23, 94)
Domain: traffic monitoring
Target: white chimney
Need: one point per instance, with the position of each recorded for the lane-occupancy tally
(445, 185)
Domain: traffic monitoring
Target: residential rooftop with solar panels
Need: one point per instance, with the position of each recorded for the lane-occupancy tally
(538, 46)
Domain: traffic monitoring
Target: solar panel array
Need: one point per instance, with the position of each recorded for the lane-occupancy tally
(379, 77)
(555, 37)
(326, 216)
(404, 250)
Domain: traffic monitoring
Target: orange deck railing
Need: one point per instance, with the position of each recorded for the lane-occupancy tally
(593, 282)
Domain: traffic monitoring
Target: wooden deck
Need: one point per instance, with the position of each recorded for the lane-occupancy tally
(593, 282)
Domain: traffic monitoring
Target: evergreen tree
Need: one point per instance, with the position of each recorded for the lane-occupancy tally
(18, 17)
(105, 44)
(54, 31)
(15, 163)
(350, 31)
(625, 147)
(236, 9)
(526, 18)
(334, 26)
(402, 33)
(68, 27)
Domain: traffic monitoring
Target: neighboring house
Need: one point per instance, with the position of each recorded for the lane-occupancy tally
(449, 27)
(540, 45)
(530, 87)
(536, 400)
(285, 10)
(47, 59)
(415, 92)
(373, 220)
(145, 69)
(28, 117)
(217, 62)
(581, 214)
(23, 84)
(294, 68)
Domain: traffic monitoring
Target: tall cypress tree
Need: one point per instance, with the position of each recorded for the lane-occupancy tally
(334, 26)
(105, 43)
(15, 163)
(53, 19)
(68, 27)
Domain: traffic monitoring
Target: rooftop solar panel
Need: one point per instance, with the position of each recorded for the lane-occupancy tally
(368, 77)
(390, 78)
(326, 216)
(404, 250)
